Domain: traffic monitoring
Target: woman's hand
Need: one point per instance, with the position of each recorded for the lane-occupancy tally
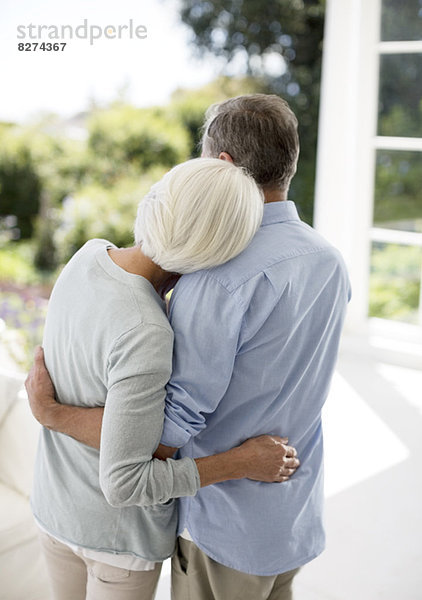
(269, 458)
(264, 458)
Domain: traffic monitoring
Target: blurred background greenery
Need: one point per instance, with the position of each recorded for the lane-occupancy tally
(58, 189)
(64, 181)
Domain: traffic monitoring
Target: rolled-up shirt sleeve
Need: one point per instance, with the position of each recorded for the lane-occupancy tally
(206, 320)
(138, 369)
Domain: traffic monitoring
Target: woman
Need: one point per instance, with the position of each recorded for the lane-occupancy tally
(108, 517)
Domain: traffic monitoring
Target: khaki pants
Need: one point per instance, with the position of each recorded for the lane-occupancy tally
(74, 577)
(195, 576)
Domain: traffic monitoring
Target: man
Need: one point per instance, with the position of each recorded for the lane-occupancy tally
(256, 341)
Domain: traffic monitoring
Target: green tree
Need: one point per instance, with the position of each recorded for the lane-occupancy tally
(291, 30)
(124, 139)
(32, 163)
(398, 181)
(95, 211)
(395, 282)
(20, 185)
(400, 104)
(189, 106)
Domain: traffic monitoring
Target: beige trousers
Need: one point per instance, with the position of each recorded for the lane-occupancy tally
(74, 577)
(195, 576)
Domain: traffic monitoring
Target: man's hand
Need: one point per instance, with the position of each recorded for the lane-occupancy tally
(269, 458)
(40, 389)
(83, 424)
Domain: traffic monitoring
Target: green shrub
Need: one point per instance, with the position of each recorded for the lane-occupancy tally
(123, 137)
(96, 212)
(395, 282)
(20, 185)
(23, 313)
(16, 264)
(189, 106)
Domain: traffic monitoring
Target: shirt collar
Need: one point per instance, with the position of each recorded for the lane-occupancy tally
(277, 212)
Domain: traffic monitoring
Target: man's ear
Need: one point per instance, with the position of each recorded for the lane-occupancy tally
(225, 156)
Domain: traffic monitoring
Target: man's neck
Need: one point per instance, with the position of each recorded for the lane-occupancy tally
(274, 196)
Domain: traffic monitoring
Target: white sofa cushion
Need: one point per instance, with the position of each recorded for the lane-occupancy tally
(22, 569)
(23, 573)
(10, 384)
(18, 443)
(16, 522)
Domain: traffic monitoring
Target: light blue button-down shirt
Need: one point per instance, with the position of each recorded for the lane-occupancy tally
(256, 343)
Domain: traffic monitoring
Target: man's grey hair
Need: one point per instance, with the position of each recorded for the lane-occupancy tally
(259, 131)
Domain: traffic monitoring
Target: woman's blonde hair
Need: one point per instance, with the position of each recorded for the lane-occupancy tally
(200, 214)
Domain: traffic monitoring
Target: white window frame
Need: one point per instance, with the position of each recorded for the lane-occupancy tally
(347, 145)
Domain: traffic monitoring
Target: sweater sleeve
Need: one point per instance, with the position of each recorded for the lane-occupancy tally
(139, 367)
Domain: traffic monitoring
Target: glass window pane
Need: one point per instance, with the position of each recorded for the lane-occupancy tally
(401, 20)
(395, 282)
(398, 190)
(400, 93)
